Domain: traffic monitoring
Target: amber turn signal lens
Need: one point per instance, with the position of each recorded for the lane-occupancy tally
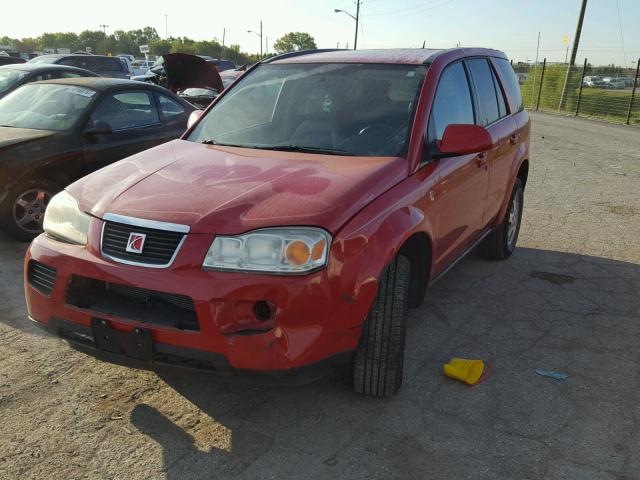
(298, 253)
(318, 250)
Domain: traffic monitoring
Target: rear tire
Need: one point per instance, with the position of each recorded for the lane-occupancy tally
(22, 211)
(379, 358)
(501, 243)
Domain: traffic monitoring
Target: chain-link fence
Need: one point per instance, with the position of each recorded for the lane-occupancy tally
(608, 93)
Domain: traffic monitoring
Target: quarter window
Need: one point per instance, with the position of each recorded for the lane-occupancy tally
(501, 105)
(486, 91)
(510, 83)
(127, 110)
(452, 102)
(169, 107)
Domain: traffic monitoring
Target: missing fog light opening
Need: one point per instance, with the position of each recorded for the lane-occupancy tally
(263, 310)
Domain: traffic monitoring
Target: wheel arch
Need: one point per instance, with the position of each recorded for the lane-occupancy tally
(418, 250)
(364, 248)
(520, 170)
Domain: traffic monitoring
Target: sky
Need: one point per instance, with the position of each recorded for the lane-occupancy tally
(508, 25)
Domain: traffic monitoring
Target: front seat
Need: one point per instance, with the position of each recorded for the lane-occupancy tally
(316, 128)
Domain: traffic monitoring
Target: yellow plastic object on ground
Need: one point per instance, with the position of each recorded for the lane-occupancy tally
(467, 371)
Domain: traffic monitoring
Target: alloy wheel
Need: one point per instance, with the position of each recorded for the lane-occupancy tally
(28, 210)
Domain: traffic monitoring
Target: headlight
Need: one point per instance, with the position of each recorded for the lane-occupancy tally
(271, 250)
(64, 220)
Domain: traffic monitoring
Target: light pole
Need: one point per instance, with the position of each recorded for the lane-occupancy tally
(104, 30)
(356, 18)
(260, 35)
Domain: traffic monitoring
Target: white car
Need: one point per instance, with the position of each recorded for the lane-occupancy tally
(593, 81)
(140, 67)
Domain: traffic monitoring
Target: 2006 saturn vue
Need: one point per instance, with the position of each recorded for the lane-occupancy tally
(293, 225)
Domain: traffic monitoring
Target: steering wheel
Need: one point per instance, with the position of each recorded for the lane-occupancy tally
(379, 128)
(378, 132)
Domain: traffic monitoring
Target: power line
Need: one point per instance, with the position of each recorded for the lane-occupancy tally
(624, 55)
(413, 10)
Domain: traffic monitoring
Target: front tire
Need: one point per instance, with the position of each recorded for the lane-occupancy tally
(501, 243)
(379, 358)
(22, 212)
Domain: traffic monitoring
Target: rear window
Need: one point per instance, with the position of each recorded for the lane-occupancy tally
(510, 84)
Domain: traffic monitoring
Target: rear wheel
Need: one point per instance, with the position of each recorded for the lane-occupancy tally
(501, 243)
(22, 212)
(379, 358)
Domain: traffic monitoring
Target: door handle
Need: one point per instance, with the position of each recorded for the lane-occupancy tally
(513, 139)
(481, 160)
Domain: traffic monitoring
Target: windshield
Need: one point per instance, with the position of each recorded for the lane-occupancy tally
(45, 106)
(9, 78)
(347, 109)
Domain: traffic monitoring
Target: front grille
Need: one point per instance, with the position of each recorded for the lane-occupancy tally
(149, 306)
(159, 246)
(41, 277)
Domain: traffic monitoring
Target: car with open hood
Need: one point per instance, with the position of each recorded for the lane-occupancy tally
(56, 131)
(190, 76)
(296, 221)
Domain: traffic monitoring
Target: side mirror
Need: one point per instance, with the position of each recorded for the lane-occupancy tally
(463, 140)
(98, 127)
(194, 117)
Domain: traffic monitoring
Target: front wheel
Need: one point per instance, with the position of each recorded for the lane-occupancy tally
(501, 243)
(379, 358)
(22, 212)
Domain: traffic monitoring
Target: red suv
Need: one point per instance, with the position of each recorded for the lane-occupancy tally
(296, 222)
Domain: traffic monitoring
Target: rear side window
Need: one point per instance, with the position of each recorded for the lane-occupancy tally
(82, 61)
(486, 91)
(510, 84)
(452, 102)
(111, 65)
(69, 61)
(127, 110)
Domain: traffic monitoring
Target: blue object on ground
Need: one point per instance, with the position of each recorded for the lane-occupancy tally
(552, 374)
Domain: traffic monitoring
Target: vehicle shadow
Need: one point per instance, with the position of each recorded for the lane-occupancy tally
(12, 305)
(540, 309)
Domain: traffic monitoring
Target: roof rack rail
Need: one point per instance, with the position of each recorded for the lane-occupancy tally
(300, 52)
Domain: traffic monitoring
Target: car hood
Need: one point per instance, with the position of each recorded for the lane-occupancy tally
(189, 71)
(228, 190)
(12, 136)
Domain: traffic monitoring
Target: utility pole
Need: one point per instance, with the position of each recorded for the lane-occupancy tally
(258, 34)
(104, 30)
(166, 27)
(356, 18)
(355, 43)
(574, 50)
(224, 32)
(535, 72)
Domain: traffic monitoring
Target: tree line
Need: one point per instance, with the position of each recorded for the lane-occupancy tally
(128, 42)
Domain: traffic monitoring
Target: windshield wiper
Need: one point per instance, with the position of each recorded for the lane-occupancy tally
(215, 142)
(304, 149)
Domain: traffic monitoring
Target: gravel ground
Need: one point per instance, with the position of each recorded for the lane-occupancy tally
(567, 300)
